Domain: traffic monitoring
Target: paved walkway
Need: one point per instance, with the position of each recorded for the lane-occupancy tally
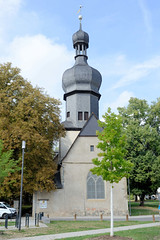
(84, 233)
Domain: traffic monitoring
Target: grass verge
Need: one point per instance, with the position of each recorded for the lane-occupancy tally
(152, 233)
(63, 226)
(150, 207)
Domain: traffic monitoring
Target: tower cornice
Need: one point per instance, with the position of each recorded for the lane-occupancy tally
(83, 92)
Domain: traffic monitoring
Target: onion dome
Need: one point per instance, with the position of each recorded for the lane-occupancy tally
(80, 37)
(81, 77)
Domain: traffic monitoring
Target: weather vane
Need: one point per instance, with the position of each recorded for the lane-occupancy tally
(80, 16)
(80, 9)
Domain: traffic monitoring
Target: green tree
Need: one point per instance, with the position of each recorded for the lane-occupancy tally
(111, 165)
(27, 113)
(7, 164)
(142, 147)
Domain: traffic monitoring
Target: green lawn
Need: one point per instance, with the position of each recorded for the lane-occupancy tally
(152, 233)
(10, 223)
(64, 226)
(150, 208)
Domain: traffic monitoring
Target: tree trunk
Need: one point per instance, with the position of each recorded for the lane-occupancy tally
(141, 200)
(136, 199)
(111, 230)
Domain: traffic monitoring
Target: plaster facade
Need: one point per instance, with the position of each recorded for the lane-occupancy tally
(72, 198)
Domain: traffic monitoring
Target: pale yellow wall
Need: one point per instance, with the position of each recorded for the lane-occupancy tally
(72, 198)
(65, 143)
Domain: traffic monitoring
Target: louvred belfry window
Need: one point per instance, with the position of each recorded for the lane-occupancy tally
(79, 115)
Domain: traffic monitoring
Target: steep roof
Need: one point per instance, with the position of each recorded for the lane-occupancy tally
(90, 127)
(89, 130)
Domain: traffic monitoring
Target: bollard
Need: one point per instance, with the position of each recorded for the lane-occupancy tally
(127, 217)
(75, 217)
(6, 221)
(40, 216)
(27, 220)
(16, 222)
(153, 218)
(101, 216)
(37, 219)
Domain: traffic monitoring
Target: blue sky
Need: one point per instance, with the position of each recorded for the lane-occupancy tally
(36, 36)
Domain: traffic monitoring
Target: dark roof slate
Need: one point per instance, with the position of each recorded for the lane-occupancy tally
(90, 127)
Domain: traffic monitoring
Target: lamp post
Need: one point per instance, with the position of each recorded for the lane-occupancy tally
(20, 204)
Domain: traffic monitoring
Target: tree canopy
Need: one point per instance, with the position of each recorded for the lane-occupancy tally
(141, 123)
(111, 165)
(27, 113)
(7, 164)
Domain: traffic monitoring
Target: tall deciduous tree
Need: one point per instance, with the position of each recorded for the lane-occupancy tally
(27, 113)
(143, 146)
(111, 165)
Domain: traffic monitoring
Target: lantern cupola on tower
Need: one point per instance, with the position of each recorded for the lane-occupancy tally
(80, 41)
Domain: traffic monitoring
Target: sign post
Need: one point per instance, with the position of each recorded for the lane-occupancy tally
(20, 205)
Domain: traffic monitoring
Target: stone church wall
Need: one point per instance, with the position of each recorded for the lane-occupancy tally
(73, 197)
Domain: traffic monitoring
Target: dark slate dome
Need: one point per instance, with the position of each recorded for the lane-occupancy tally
(80, 37)
(81, 76)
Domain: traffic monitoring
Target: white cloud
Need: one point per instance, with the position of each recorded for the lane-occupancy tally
(9, 7)
(112, 65)
(146, 15)
(8, 12)
(138, 71)
(122, 100)
(41, 60)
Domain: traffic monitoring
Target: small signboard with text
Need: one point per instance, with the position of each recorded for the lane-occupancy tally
(43, 204)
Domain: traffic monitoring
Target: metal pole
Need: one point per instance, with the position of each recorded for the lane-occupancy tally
(20, 206)
(111, 230)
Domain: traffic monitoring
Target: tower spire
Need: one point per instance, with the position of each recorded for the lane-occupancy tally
(80, 17)
(80, 22)
(80, 40)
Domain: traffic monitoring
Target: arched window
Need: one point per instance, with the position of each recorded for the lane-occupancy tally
(95, 187)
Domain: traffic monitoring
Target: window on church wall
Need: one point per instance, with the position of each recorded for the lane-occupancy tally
(91, 148)
(95, 187)
(100, 188)
(91, 188)
(79, 115)
(85, 115)
(68, 114)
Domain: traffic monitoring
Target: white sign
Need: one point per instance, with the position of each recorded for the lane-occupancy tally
(43, 204)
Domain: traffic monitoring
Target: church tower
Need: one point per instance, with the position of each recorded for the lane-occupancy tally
(81, 85)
